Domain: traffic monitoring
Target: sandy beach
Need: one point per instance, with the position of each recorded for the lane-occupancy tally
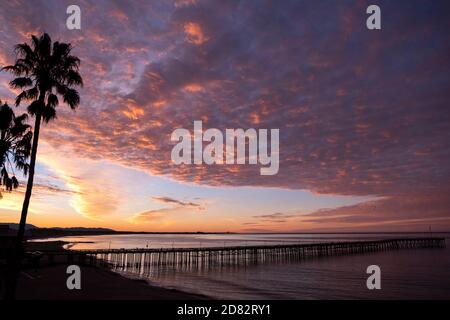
(49, 283)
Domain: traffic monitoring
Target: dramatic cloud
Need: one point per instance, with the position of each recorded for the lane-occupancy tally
(405, 210)
(94, 186)
(176, 207)
(167, 200)
(46, 189)
(152, 215)
(360, 112)
(277, 217)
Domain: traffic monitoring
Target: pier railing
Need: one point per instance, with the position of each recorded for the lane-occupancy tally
(143, 260)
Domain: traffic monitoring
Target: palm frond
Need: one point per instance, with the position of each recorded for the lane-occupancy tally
(72, 98)
(20, 83)
(30, 94)
(52, 100)
(34, 107)
(74, 78)
(49, 113)
(24, 50)
(46, 72)
(17, 69)
(6, 117)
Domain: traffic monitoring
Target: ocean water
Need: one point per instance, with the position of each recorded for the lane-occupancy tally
(405, 274)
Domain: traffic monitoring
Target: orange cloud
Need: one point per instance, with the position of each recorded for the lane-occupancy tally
(255, 118)
(194, 33)
(159, 103)
(193, 87)
(92, 187)
(133, 110)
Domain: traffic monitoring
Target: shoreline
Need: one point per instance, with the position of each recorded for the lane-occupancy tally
(49, 283)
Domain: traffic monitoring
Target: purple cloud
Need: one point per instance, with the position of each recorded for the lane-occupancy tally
(359, 112)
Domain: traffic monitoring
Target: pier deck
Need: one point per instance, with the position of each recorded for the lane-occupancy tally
(139, 259)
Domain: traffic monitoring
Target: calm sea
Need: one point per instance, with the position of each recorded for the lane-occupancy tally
(405, 274)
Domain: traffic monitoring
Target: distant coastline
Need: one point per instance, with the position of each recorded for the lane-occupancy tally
(34, 232)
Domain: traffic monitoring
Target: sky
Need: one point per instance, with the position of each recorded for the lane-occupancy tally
(363, 115)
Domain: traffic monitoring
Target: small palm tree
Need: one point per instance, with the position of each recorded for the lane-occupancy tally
(15, 146)
(43, 72)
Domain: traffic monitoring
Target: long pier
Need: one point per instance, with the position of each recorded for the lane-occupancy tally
(144, 260)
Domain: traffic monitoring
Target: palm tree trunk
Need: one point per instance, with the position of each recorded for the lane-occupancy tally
(26, 201)
(16, 258)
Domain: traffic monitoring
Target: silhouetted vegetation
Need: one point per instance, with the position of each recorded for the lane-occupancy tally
(15, 146)
(44, 73)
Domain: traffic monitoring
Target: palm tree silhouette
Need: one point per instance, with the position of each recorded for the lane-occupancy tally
(43, 72)
(15, 145)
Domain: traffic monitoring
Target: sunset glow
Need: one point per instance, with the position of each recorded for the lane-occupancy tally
(363, 117)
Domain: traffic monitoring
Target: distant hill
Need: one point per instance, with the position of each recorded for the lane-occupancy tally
(56, 232)
(36, 232)
(15, 226)
(81, 229)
